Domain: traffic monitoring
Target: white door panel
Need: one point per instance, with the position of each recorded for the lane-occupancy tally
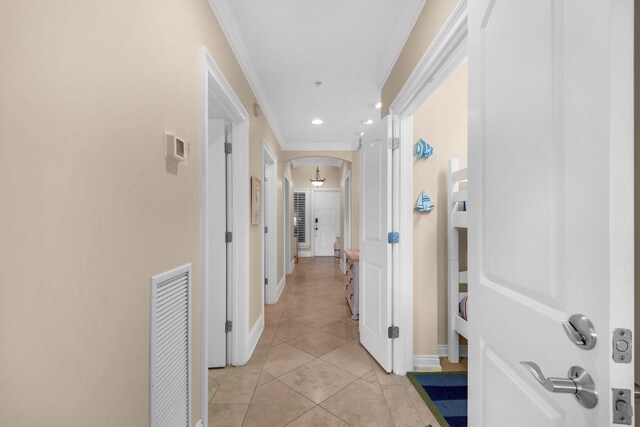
(326, 222)
(539, 209)
(375, 251)
(216, 251)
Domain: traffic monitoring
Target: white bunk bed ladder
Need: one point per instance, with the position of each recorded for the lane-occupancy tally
(457, 219)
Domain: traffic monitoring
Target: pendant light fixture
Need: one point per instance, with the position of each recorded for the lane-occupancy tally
(317, 181)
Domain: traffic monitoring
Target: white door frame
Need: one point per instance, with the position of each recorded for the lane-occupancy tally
(288, 227)
(269, 219)
(214, 84)
(312, 213)
(346, 238)
(448, 49)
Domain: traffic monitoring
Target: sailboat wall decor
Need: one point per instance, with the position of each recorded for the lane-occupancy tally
(424, 203)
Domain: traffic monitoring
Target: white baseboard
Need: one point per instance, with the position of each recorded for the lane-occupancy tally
(424, 361)
(305, 254)
(199, 423)
(443, 350)
(254, 336)
(280, 287)
(292, 264)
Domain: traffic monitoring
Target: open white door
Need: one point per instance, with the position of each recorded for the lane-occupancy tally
(550, 207)
(375, 250)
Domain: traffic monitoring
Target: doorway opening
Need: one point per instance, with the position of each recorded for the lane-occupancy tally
(272, 288)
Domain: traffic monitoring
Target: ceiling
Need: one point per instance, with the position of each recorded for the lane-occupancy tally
(319, 161)
(285, 46)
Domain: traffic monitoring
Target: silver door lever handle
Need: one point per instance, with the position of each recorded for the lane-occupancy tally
(579, 383)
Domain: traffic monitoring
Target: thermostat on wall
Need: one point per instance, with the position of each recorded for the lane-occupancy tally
(176, 149)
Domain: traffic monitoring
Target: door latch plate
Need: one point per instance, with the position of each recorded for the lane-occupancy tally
(622, 409)
(622, 345)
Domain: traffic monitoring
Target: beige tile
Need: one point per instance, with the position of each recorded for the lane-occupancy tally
(217, 374)
(421, 407)
(351, 357)
(402, 410)
(274, 404)
(267, 336)
(371, 377)
(318, 417)
(258, 357)
(264, 378)
(276, 342)
(360, 404)
(237, 386)
(345, 328)
(227, 414)
(385, 378)
(317, 343)
(272, 319)
(212, 392)
(338, 310)
(289, 329)
(448, 366)
(317, 380)
(284, 358)
(317, 319)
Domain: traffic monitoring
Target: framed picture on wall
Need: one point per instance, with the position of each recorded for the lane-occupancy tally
(255, 200)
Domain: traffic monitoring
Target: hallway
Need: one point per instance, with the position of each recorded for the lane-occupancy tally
(308, 368)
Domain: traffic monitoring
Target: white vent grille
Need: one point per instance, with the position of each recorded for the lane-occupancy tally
(171, 348)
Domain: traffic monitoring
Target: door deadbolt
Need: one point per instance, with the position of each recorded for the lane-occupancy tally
(580, 331)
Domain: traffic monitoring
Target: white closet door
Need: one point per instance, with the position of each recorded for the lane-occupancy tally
(375, 251)
(550, 204)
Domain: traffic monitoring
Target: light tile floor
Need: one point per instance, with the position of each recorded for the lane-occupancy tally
(308, 368)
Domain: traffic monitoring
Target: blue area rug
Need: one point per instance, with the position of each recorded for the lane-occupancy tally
(445, 393)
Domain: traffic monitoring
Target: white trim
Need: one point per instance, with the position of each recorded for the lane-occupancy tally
(443, 350)
(269, 219)
(305, 254)
(448, 49)
(395, 45)
(281, 284)
(287, 226)
(199, 423)
(239, 199)
(320, 146)
(292, 265)
(229, 25)
(346, 213)
(254, 336)
(426, 361)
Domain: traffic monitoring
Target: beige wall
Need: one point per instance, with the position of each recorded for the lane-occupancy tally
(302, 175)
(89, 211)
(442, 121)
(433, 15)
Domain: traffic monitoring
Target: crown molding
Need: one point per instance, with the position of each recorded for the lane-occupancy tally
(394, 48)
(229, 25)
(447, 50)
(320, 146)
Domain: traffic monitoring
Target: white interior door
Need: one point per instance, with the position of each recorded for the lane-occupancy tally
(550, 203)
(326, 221)
(375, 250)
(216, 247)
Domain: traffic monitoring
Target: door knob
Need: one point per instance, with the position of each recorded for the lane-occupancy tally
(579, 383)
(580, 331)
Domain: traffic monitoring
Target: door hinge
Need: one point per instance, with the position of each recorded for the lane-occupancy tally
(622, 344)
(393, 237)
(228, 326)
(266, 281)
(394, 332)
(394, 143)
(622, 408)
(266, 230)
(228, 237)
(227, 148)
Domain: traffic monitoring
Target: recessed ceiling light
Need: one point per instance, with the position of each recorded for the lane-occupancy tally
(374, 104)
(366, 121)
(378, 105)
(317, 121)
(361, 133)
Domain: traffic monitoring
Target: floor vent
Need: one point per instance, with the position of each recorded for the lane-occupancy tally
(170, 348)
